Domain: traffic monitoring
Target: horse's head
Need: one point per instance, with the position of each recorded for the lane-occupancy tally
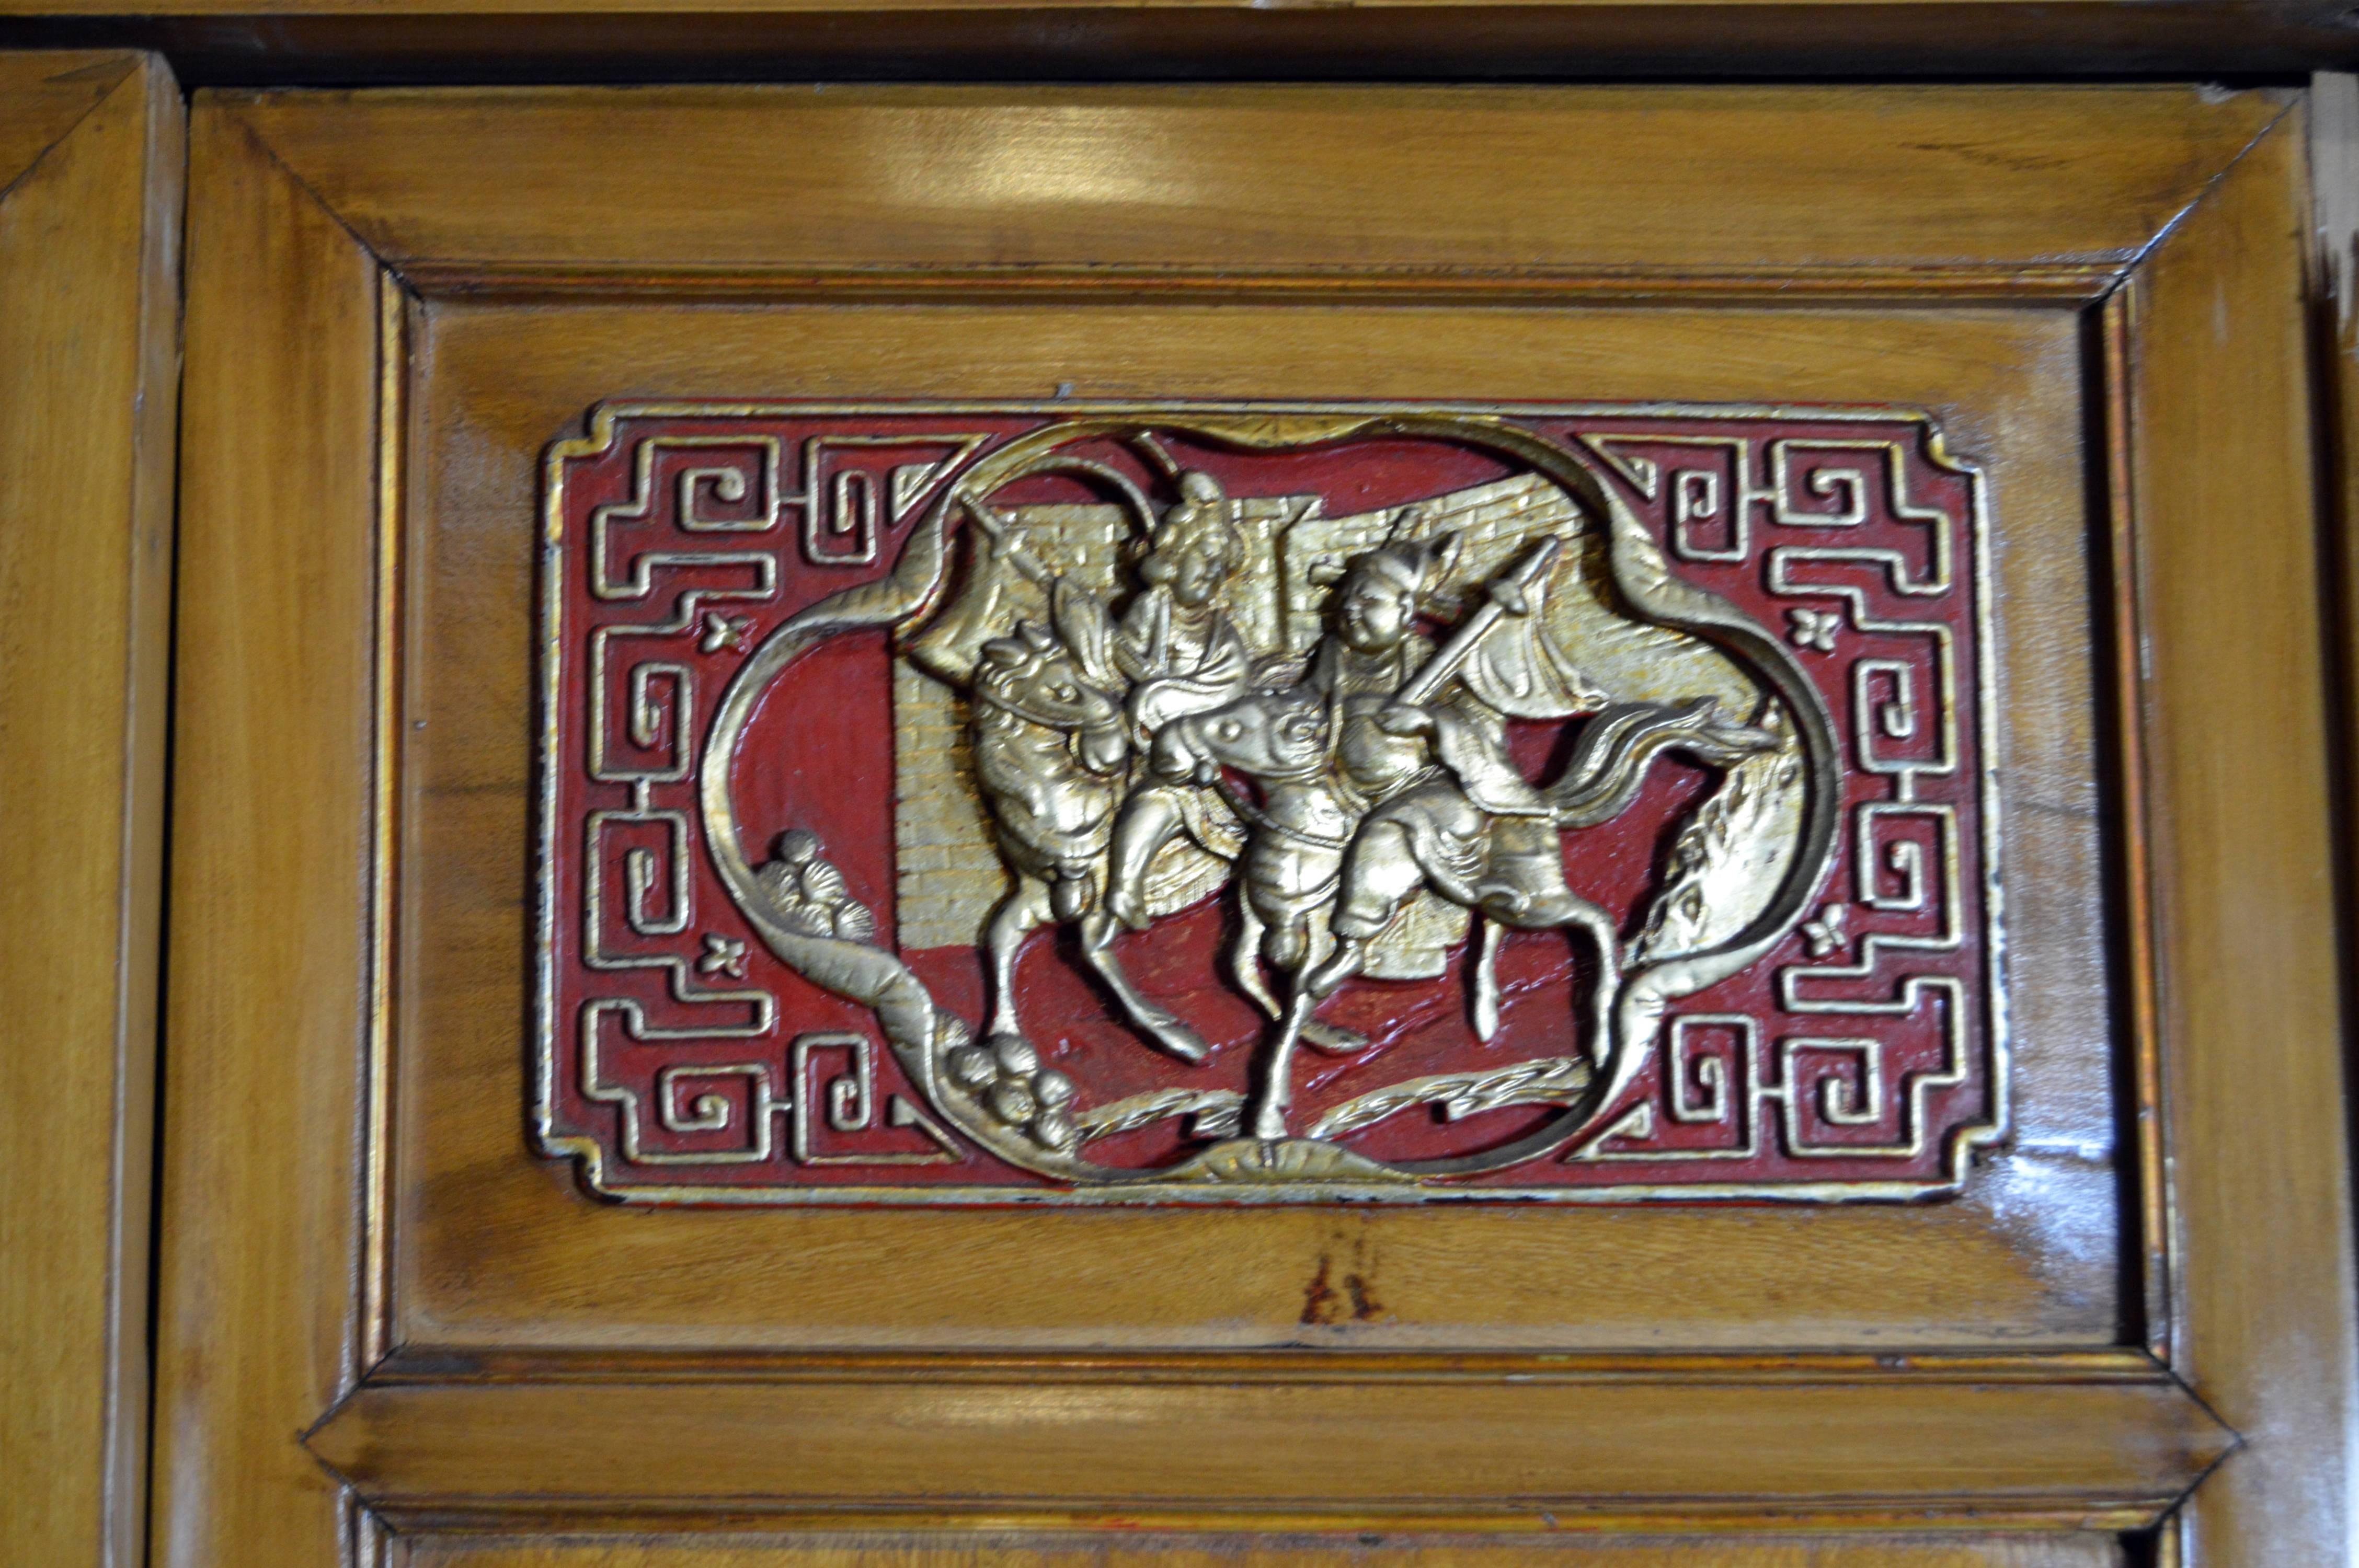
(1036, 676)
(1269, 735)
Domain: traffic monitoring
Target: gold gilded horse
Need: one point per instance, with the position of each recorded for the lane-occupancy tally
(1051, 752)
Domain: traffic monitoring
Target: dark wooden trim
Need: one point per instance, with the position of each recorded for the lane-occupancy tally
(331, 43)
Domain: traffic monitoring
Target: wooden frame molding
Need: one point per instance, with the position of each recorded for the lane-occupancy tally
(2199, 450)
(269, 42)
(2111, 1451)
(91, 148)
(2169, 217)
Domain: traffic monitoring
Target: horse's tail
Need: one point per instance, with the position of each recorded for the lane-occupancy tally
(1609, 764)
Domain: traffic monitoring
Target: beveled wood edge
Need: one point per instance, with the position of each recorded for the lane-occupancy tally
(428, 1366)
(138, 110)
(2113, 1455)
(1965, 284)
(96, 73)
(417, 279)
(2256, 1206)
(376, 1302)
(2061, 267)
(254, 1329)
(2334, 273)
(1685, 1518)
(154, 497)
(2140, 1008)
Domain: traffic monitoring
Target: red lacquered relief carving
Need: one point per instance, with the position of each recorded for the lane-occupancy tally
(1259, 804)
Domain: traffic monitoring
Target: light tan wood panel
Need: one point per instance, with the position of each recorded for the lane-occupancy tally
(497, 1251)
(277, 909)
(43, 96)
(1017, 1551)
(91, 157)
(268, 1013)
(1951, 186)
(2242, 915)
(1927, 1451)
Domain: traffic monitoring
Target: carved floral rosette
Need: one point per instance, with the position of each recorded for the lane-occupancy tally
(826, 688)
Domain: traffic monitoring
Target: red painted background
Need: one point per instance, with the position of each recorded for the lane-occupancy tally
(818, 754)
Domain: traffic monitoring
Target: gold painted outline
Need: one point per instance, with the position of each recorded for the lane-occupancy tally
(387, 671)
(591, 1156)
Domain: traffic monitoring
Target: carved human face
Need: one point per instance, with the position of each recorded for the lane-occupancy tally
(1373, 615)
(1198, 570)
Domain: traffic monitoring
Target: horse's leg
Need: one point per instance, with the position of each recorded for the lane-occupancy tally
(1245, 958)
(1316, 945)
(1286, 944)
(1565, 910)
(1150, 820)
(1159, 1023)
(1599, 927)
(1278, 1075)
(1298, 940)
(1024, 911)
(1147, 822)
(1486, 978)
(1311, 986)
(1530, 891)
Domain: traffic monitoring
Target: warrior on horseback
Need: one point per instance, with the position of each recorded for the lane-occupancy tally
(1471, 828)
(1057, 717)
(1320, 763)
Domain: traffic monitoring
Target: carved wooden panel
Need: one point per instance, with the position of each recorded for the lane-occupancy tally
(640, 633)
(1311, 735)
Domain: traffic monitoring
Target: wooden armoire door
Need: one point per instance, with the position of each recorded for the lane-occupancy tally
(765, 675)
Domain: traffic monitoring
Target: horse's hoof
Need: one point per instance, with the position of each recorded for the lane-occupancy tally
(1486, 1019)
(1177, 1039)
(1334, 1039)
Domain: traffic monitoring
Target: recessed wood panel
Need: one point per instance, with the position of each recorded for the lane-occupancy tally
(498, 1249)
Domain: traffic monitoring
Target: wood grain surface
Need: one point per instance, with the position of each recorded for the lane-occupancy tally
(843, 237)
(44, 96)
(2232, 687)
(90, 219)
(497, 1252)
(1925, 189)
(1931, 1452)
(267, 1014)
